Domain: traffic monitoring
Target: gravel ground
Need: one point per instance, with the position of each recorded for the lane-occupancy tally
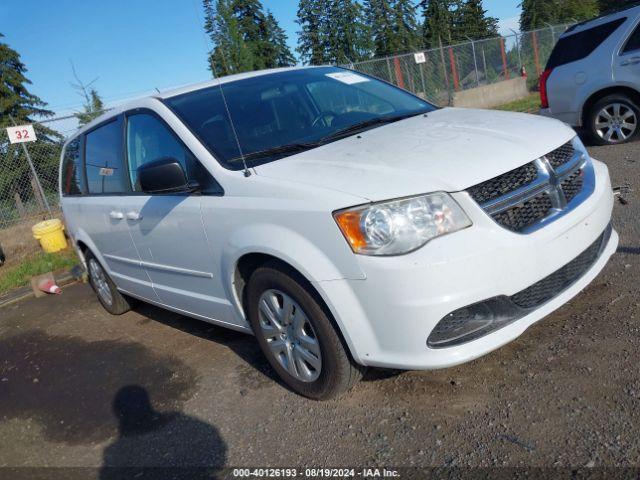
(566, 394)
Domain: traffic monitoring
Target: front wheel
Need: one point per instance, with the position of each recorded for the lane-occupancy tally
(613, 120)
(297, 335)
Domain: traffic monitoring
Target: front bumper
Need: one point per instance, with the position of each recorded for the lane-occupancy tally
(387, 318)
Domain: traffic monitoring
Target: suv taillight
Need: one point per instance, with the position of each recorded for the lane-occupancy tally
(544, 98)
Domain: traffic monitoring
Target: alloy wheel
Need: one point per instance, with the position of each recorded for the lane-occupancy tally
(290, 336)
(616, 123)
(99, 280)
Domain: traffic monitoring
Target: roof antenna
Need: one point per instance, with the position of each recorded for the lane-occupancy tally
(246, 171)
(157, 89)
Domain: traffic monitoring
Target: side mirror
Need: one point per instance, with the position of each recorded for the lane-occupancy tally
(164, 175)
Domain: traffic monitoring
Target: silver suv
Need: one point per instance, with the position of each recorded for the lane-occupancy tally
(592, 79)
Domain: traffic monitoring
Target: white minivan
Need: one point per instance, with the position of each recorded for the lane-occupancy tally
(341, 220)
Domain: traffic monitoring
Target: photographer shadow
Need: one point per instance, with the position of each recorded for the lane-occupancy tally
(160, 445)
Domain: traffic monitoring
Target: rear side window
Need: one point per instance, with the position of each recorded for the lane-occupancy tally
(633, 43)
(580, 45)
(72, 172)
(104, 159)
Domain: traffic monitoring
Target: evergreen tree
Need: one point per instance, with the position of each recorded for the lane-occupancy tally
(278, 39)
(471, 21)
(244, 37)
(93, 107)
(571, 10)
(380, 18)
(230, 53)
(438, 22)
(333, 31)
(15, 99)
(19, 104)
(405, 26)
(537, 13)
(312, 42)
(607, 6)
(348, 38)
(540, 13)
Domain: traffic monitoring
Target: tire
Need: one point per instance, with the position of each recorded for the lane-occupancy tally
(111, 299)
(613, 120)
(330, 373)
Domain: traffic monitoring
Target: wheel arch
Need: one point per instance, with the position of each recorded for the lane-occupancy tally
(249, 262)
(594, 97)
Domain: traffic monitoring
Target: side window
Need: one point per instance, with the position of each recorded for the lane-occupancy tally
(104, 160)
(72, 171)
(149, 139)
(633, 43)
(577, 46)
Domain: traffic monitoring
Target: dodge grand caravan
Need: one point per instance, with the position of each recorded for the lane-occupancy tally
(342, 221)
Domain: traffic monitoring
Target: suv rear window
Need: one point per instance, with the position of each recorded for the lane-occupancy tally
(72, 175)
(580, 45)
(105, 160)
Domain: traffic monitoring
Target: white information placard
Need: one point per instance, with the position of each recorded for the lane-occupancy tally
(419, 57)
(348, 77)
(21, 134)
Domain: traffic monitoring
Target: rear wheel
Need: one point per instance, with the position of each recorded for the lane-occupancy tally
(111, 299)
(613, 120)
(297, 335)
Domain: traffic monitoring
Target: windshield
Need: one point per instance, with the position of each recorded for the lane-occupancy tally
(278, 114)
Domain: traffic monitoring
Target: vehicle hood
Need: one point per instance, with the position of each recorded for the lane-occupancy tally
(447, 150)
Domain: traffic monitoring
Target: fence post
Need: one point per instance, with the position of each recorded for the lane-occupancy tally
(38, 186)
(536, 54)
(399, 79)
(389, 70)
(454, 70)
(444, 68)
(504, 59)
(515, 34)
(475, 60)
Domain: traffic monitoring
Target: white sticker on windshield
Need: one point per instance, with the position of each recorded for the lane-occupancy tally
(348, 77)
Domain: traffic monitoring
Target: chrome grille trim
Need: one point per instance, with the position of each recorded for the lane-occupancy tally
(549, 181)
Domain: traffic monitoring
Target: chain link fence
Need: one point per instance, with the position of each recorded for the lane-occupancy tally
(439, 73)
(29, 184)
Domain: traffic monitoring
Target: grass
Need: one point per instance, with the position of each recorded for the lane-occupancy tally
(20, 275)
(530, 104)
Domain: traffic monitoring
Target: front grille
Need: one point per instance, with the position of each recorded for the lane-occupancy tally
(572, 186)
(561, 155)
(551, 286)
(506, 183)
(523, 198)
(522, 216)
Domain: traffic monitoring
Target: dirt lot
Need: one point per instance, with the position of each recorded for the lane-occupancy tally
(566, 394)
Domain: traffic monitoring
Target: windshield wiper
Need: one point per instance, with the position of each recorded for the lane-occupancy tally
(359, 127)
(289, 148)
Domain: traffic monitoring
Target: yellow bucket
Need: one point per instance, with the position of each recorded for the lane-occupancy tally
(50, 233)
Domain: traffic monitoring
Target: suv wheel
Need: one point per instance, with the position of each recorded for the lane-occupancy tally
(111, 299)
(613, 120)
(297, 335)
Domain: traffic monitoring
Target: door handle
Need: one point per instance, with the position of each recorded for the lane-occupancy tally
(133, 215)
(116, 215)
(631, 61)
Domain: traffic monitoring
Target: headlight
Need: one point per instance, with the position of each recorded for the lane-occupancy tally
(401, 226)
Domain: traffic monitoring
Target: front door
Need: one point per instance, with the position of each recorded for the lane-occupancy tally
(167, 229)
(103, 210)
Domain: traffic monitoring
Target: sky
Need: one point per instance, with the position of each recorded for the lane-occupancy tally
(130, 46)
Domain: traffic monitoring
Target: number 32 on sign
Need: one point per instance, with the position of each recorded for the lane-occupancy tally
(21, 134)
